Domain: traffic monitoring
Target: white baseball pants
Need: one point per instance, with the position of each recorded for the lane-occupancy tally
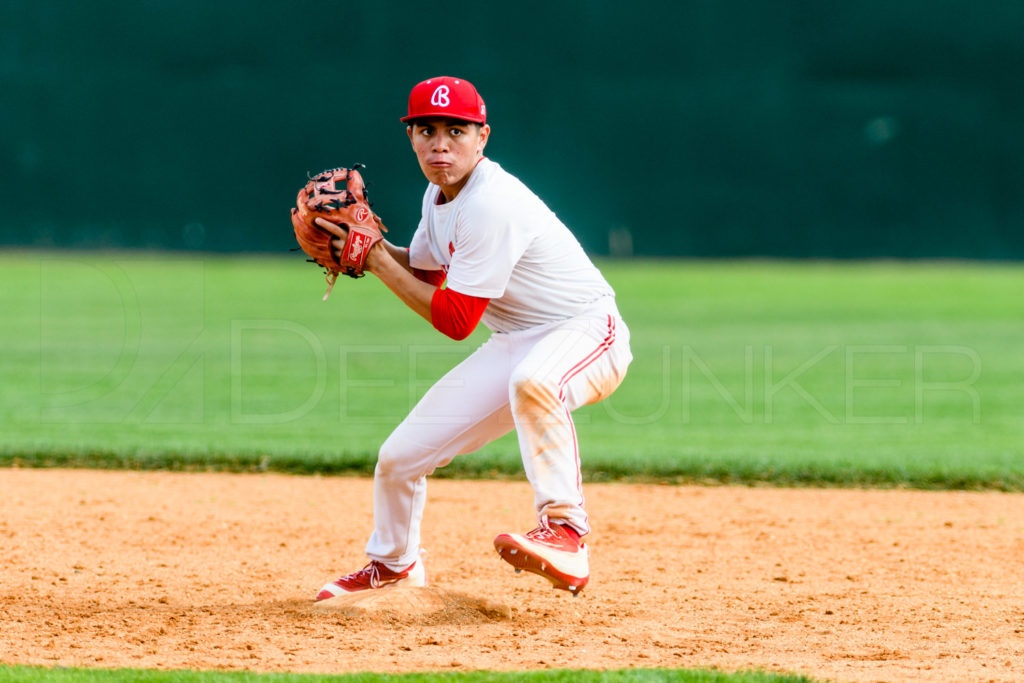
(530, 380)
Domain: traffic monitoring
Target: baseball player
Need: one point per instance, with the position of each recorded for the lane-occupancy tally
(488, 250)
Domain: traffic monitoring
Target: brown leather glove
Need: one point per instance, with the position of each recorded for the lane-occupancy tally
(339, 196)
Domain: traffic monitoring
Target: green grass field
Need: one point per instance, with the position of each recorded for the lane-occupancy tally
(26, 674)
(790, 373)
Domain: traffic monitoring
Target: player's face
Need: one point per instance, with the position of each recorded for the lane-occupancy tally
(448, 151)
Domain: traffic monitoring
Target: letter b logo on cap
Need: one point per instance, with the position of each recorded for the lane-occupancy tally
(440, 97)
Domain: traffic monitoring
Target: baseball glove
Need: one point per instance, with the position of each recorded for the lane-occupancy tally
(339, 196)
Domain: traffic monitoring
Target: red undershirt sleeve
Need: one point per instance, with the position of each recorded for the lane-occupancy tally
(455, 314)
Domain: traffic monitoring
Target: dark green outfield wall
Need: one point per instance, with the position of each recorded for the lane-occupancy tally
(701, 128)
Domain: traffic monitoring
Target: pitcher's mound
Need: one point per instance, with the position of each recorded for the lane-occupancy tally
(416, 602)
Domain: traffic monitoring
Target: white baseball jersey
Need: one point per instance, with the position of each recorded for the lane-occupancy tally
(498, 240)
(560, 343)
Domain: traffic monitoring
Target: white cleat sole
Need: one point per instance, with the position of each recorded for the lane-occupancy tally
(565, 571)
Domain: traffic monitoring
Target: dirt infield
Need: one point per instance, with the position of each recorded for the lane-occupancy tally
(213, 571)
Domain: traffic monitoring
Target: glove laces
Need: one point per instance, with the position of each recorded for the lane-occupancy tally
(331, 277)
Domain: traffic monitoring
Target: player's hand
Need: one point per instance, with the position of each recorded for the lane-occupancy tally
(340, 233)
(375, 255)
(376, 258)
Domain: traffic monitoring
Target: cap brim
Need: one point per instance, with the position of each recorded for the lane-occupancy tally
(441, 115)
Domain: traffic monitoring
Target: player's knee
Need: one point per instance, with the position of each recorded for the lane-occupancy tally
(399, 459)
(391, 459)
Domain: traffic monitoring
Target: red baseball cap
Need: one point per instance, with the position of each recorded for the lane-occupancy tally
(454, 98)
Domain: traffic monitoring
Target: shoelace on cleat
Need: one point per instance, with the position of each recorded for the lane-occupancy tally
(372, 569)
(543, 532)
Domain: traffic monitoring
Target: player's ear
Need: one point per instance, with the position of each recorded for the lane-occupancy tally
(485, 133)
(408, 131)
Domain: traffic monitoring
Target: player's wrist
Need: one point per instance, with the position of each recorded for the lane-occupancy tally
(379, 259)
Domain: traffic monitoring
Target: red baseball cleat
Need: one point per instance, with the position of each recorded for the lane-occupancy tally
(553, 551)
(374, 576)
